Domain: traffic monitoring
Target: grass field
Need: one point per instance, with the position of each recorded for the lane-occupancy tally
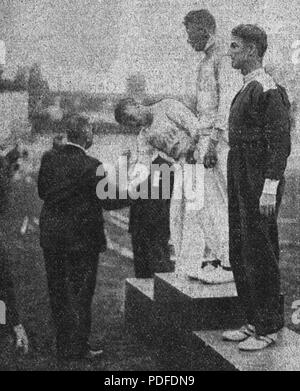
(122, 350)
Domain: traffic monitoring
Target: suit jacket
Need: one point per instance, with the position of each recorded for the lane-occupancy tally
(260, 125)
(72, 217)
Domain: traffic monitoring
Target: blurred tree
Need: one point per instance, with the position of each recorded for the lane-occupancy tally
(21, 79)
(5, 84)
(136, 86)
(38, 90)
(38, 93)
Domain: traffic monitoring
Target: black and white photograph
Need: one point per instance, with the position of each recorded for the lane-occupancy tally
(149, 188)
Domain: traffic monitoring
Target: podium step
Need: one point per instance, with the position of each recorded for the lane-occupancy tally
(139, 306)
(188, 305)
(211, 353)
(166, 311)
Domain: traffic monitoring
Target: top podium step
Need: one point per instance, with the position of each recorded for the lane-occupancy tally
(190, 305)
(187, 288)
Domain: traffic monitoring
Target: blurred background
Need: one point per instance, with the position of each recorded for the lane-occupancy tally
(74, 56)
(89, 52)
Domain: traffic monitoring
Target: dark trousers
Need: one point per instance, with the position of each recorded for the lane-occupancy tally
(150, 224)
(253, 245)
(151, 253)
(71, 282)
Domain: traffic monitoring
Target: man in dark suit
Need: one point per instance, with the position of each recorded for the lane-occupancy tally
(259, 139)
(72, 235)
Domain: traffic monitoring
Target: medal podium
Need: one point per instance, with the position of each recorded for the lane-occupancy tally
(190, 305)
(167, 310)
(176, 314)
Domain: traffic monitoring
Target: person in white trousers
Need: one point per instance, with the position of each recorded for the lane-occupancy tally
(204, 254)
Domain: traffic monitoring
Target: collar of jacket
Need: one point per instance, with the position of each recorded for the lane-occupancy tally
(262, 77)
(75, 145)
